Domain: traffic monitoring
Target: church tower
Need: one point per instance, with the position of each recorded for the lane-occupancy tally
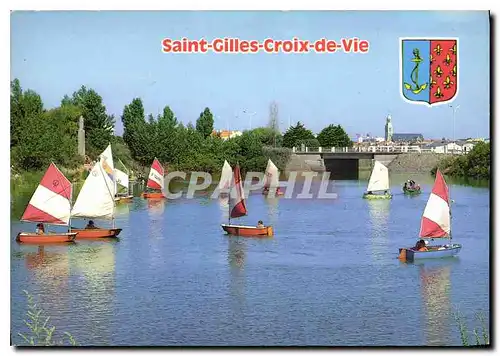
(389, 131)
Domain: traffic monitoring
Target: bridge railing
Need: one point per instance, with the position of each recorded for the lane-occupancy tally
(373, 149)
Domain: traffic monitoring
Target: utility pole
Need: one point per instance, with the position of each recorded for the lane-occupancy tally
(454, 108)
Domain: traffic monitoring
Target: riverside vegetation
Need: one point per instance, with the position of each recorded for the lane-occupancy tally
(476, 164)
(40, 135)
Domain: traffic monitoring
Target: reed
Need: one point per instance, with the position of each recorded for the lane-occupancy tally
(41, 333)
(481, 335)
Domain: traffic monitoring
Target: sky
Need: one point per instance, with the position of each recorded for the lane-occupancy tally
(119, 54)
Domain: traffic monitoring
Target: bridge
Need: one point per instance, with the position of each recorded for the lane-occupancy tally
(345, 162)
(364, 150)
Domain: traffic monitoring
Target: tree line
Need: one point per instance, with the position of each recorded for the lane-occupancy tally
(40, 135)
(476, 164)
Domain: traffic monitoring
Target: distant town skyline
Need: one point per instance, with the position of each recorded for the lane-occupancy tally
(120, 56)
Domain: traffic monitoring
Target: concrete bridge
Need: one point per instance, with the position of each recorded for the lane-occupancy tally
(345, 162)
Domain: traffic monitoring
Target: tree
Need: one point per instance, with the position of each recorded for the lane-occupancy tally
(24, 105)
(98, 124)
(136, 131)
(334, 136)
(268, 137)
(205, 123)
(295, 134)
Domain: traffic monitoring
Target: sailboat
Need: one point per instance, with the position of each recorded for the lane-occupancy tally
(121, 178)
(237, 208)
(379, 182)
(272, 180)
(156, 181)
(435, 224)
(97, 198)
(50, 204)
(225, 179)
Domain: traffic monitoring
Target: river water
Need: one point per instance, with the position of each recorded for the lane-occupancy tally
(329, 276)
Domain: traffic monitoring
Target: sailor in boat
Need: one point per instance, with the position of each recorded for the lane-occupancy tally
(405, 186)
(260, 224)
(40, 229)
(91, 225)
(420, 246)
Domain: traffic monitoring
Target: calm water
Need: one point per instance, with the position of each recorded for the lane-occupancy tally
(330, 275)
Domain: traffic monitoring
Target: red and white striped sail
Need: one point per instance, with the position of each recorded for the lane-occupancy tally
(156, 179)
(237, 206)
(436, 220)
(272, 175)
(51, 202)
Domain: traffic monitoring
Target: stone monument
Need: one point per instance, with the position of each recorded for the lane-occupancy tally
(389, 130)
(81, 137)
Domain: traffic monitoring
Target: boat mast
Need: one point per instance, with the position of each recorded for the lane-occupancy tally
(70, 207)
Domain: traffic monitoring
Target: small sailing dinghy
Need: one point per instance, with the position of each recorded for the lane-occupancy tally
(156, 181)
(379, 183)
(50, 204)
(435, 224)
(411, 188)
(225, 180)
(237, 208)
(97, 199)
(121, 178)
(271, 184)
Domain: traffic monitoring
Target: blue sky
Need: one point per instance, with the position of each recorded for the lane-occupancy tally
(119, 55)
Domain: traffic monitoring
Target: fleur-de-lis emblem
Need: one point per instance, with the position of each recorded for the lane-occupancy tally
(432, 82)
(454, 71)
(453, 49)
(438, 94)
(447, 83)
(438, 71)
(432, 59)
(438, 49)
(447, 60)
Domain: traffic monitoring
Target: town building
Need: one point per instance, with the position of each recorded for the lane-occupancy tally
(226, 134)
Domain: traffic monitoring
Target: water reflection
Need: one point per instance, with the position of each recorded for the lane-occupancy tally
(378, 211)
(435, 286)
(156, 207)
(122, 209)
(94, 265)
(50, 267)
(273, 209)
(224, 207)
(236, 259)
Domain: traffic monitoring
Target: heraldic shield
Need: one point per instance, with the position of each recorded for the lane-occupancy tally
(429, 70)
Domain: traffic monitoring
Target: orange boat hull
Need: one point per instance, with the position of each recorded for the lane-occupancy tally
(125, 199)
(96, 233)
(248, 231)
(152, 195)
(32, 238)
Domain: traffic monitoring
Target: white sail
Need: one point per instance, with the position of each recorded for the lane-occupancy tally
(96, 198)
(226, 177)
(379, 179)
(272, 175)
(121, 178)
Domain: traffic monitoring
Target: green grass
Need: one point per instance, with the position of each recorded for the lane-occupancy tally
(41, 333)
(481, 336)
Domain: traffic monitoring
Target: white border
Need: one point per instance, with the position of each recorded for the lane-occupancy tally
(193, 5)
(426, 38)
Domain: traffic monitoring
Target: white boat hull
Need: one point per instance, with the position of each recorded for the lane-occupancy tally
(441, 252)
